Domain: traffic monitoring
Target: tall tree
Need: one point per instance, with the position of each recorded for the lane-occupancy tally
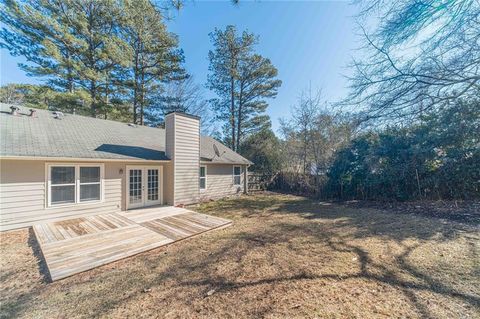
(35, 31)
(256, 82)
(154, 54)
(114, 50)
(242, 80)
(421, 55)
(71, 42)
(96, 46)
(229, 50)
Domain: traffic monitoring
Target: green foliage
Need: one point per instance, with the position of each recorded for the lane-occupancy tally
(44, 97)
(242, 81)
(154, 57)
(263, 149)
(72, 43)
(437, 158)
(98, 54)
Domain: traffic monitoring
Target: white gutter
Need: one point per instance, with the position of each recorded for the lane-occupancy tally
(80, 159)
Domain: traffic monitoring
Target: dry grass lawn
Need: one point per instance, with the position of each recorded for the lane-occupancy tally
(284, 257)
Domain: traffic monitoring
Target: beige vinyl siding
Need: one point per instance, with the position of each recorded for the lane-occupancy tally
(220, 182)
(23, 194)
(168, 184)
(183, 132)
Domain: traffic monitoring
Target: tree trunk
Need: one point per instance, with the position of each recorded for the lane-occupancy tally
(142, 98)
(93, 96)
(69, 74)
(135, 90)
(232, 112)
(239, 119)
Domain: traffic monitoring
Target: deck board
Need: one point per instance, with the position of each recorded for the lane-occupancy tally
(80, 244)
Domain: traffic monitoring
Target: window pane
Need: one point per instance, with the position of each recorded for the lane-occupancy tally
(89, 174)
(202, 183)
(237, 170)
(236, 180)
(63, 175)
(202, 171)
(89, 192)
(63, 194)
(152, 184)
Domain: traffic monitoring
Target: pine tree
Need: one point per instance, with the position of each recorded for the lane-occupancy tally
(229, 50)
(242, 81)
(256, 82)
(154, 55)
(73, 43)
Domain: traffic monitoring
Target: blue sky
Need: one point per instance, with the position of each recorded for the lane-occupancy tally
(310, 43)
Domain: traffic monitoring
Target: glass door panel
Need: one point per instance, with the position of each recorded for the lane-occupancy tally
(152, 177)
(144, 186)
(135, 198)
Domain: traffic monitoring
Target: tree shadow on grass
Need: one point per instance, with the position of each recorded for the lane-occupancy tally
(368, 269)
(366, 224)
(271, 228)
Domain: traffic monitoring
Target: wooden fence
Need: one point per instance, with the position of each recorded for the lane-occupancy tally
(258, 182)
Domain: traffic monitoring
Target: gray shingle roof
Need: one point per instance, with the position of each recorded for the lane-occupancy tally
(76, 136)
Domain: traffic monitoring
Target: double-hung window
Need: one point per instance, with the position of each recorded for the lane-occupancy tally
(203, 177)
(89, 183)
(237, 175)
(72, 184)
(62, 185)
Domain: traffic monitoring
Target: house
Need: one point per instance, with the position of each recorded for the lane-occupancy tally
(55, 166)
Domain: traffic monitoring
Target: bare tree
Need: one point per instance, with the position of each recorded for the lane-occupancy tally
(187, 96)
(314, 133)
(421, 54)
(12, 93)
(180, 95)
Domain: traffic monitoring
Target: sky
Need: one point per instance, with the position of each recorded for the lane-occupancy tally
(310, 43)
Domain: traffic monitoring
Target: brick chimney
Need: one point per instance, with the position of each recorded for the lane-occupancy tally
(182, 146)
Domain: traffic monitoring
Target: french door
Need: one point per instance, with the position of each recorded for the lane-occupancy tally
(144, 186)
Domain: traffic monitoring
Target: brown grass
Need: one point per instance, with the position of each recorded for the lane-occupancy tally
(284, 257)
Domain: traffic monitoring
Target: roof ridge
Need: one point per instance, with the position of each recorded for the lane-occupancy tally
(77, 115)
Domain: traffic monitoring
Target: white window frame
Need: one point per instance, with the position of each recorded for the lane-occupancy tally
(240, 175)
(76, 184)
(205, 177)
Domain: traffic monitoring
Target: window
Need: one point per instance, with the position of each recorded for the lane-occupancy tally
(63, 185)
(203, 177)
(70, 184)
(237, 175)
(89, 183)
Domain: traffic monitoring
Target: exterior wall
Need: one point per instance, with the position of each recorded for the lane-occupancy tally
(183, 148)
(220, 182)
(23, 193)
(168, 184)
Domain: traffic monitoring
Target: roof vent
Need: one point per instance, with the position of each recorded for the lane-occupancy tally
(58, 115)
(131, 125)
(33, 113)
(14, 110)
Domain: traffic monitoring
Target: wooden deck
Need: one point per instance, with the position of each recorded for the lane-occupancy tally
(79, 244)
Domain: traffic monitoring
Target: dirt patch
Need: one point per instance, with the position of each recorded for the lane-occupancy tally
(284, 257)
